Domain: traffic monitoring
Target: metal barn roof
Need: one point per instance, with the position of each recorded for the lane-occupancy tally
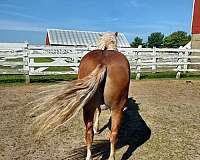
(79, 38)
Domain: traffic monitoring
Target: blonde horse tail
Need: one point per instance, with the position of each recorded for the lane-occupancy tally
(64, 104)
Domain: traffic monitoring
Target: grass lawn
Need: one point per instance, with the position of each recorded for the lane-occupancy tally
(63, 68)
(55, 78)
(167, 75)
(36, 79)
(15, 60)
(37, 60)
(42, 60)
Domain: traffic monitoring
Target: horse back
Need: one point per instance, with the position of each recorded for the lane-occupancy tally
(111, 58)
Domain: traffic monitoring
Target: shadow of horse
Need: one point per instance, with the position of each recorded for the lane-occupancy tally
(133, 132)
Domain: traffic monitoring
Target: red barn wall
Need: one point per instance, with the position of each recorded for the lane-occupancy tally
(196, 31)
(196, 18)
(47, 40)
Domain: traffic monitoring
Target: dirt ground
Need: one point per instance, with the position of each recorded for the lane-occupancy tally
(162, 122)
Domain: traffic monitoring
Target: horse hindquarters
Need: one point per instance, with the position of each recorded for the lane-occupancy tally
(116, 97)
(114, 91)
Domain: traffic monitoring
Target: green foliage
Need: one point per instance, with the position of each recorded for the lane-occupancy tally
(136, 42)
(176, 39)
(155, 40)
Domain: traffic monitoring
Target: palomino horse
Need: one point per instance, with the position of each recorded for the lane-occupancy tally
(103, 78)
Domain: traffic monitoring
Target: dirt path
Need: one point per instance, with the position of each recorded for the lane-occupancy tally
(161, 122)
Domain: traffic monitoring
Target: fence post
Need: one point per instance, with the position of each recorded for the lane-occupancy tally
(185, 66)
(180, 59)
(26, 66)
(31, 60)
(154, 66)
(138, 65)
(138, 69)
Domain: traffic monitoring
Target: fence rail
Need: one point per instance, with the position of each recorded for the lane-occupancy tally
(25, 61)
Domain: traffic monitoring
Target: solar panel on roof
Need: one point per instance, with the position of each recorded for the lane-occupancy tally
(80, 38)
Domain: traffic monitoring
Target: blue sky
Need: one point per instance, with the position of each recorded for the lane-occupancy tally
(22, 20)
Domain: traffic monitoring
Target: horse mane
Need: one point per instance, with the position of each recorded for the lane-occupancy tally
(108, 41)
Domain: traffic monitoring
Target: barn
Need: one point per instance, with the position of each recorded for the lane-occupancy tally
(195, 42)
(73, 38)
(196, 25)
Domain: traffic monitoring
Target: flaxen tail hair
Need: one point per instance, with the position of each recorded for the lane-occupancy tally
(64, 102)
(107, 41)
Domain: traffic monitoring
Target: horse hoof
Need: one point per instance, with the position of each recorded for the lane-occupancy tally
(104, 107)
(96, 132)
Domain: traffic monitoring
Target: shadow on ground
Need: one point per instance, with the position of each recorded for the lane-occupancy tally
(134, 132)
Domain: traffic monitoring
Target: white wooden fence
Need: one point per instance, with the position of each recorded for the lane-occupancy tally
(24, 61)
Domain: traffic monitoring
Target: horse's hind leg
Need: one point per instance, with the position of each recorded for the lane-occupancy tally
(96, 122)
(116, 116)
(88, 115)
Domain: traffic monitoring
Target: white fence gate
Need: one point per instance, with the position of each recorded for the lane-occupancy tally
(24, 61)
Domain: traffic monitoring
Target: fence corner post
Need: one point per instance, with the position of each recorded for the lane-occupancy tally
(27, 79)
(26, 67)
(138, 76)
(185, 67)
(138, 65)
(178, 75)
(180, 60)
(154, 66)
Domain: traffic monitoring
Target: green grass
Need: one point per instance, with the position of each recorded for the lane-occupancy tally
(36, 79)
(11, 68)
(167, 75)
(42, 60)
(5, 67)
(12, 79)
(56, 78)
(52, 78)
(192, 75)
(58, 69)
(160, 75)
(37, 60)
(15, 60)
(12, 60)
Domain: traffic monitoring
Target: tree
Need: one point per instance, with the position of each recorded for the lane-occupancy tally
(176, 39)
(136, 42)
(155, 40)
